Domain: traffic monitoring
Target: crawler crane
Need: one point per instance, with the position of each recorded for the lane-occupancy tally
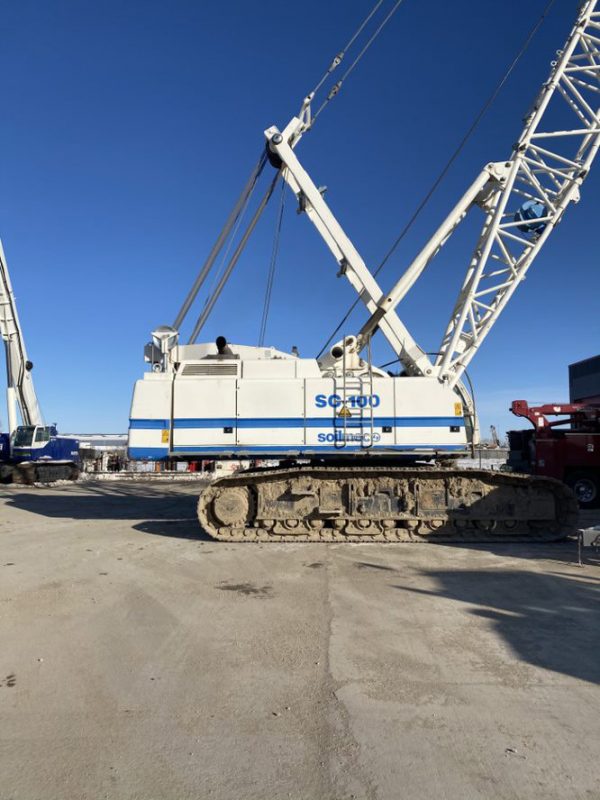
(32, 451)
(352, 438)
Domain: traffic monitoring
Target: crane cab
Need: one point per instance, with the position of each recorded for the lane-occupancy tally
(42, 443)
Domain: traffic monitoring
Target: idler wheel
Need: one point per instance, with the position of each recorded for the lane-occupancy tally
(435, 524)
(232, 507)
(485, 524)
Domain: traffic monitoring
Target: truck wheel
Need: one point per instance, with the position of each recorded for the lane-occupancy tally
(586, 486)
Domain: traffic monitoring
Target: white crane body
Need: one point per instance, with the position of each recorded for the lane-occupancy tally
(262, 403)
(234, 401)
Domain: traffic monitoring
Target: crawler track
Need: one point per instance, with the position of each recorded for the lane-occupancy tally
(386, 504)
(27, 473)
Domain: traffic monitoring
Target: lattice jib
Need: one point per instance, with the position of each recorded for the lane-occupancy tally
(548, 164)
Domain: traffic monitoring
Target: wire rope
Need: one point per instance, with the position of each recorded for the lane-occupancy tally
(232, 219)
(233, 261)
(427, 197)
(235, 217)
(336, 88)
(272, 266)
(225, 256)
(337, 60)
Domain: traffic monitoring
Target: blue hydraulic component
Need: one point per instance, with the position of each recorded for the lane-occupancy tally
(4, 447)
(530, 211)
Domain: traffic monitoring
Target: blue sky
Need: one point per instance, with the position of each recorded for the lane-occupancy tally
(129, 129)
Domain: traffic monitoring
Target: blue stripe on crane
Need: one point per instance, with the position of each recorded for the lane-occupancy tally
(298, 422)
(149, 424)
(300, 450)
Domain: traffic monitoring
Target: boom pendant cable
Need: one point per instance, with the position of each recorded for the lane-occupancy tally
(233, 261)
(218, 245)
(271, 275)
(234, 232)
(338, 58)
(234, 219)
(485, 108)
(336, 88)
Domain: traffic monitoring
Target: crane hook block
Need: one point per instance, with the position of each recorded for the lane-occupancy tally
(529, 214)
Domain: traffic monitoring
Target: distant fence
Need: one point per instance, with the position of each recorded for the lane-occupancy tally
(491, 453)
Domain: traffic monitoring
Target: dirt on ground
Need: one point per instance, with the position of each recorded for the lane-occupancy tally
(139, 659)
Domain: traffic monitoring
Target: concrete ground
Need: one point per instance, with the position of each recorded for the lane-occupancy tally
(140, 660)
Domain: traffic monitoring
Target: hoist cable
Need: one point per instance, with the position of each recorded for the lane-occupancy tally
(272, 265)
(216, 248)
(427, 197)
(234, 232)
(234, 218)
(337, 60)
(336, 88)
(233, 261)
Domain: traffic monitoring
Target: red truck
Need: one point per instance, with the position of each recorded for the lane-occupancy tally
(571, 454)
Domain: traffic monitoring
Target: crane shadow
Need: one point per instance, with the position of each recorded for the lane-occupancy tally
(549, 620)
(563, 551)
(163, 509)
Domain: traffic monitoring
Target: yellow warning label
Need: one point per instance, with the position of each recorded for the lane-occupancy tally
(165, 436)
(458, 409)
(344, 412)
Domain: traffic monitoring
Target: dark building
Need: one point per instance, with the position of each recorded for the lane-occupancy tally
(584, 381)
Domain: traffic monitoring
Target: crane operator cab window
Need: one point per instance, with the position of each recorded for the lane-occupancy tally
(24, 436)
(27, 435)
(42, 435)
